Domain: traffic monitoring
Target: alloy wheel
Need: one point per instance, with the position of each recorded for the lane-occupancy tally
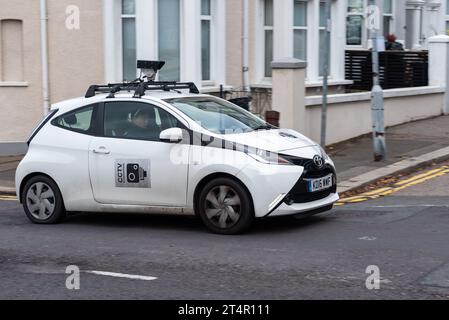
(41, 201)
(223, 207)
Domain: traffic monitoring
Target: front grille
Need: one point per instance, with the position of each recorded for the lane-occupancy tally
(306, 163)
(300, 194)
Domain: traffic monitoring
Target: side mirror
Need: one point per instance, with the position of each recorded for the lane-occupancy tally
(172, 135)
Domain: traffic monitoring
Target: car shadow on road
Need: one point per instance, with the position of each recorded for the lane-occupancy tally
(288, 224)
(188, 223)
(117, 220)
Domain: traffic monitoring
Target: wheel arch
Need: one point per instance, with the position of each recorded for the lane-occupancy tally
(211, 177)
(28, 178)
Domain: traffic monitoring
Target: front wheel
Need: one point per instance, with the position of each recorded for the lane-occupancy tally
(42, 201)
(225, 207)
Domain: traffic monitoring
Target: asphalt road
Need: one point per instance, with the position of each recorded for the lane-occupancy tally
(406, 235)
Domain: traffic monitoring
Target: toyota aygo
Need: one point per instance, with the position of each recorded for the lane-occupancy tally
(161, 147)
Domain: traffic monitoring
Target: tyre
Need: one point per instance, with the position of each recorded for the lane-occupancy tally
(42, 201)
(225, 207)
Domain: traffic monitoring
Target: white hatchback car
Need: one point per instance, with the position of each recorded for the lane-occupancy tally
(165, 150)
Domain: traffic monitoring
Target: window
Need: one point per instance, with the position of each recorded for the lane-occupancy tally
(218, 116)
(387, 17)
(190, 39)
(268, 36)
(81, 120)
(129, 39)
(323, 31)
(169, 39)
(300, 29)
(138, 121)
(11, 50)
(354, 22)
(206, 18)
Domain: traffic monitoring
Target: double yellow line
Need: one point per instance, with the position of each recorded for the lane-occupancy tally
(398, 186)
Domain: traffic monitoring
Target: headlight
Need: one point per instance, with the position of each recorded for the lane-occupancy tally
(268, 157)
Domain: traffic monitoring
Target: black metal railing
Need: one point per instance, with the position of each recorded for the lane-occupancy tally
(398, 69)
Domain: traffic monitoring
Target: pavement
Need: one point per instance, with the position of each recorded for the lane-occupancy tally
(391, 247)
(409, 146)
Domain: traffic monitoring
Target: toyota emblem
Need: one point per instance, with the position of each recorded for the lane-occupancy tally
(318, 161)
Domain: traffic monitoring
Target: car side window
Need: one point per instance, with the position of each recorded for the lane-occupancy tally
(135, 120)
(81, 120)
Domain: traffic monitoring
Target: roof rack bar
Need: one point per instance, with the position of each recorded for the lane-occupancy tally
(140, 91)
(140, 88)
(114, 90)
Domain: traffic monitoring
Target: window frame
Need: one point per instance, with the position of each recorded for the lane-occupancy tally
(180, 34)
(4, 54)
(284, 41)
(211, 18)
(303, 28)
(122, 18)
(147, 40)
(364, 32)
(266, 28)
(94, 129)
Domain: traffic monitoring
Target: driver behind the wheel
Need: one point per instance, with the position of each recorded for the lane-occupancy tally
(143, 125)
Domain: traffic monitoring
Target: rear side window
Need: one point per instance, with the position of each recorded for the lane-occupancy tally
(81, 120)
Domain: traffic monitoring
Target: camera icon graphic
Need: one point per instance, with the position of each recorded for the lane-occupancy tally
(135, 173)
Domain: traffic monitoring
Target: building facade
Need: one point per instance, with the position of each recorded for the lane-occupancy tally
(98, 41)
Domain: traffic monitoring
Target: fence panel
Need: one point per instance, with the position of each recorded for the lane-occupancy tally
(398, 69)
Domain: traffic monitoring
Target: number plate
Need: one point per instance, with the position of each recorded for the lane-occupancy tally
(320, 184)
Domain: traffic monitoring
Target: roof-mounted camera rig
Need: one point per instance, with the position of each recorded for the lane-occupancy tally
(149, 68)
(148, 73)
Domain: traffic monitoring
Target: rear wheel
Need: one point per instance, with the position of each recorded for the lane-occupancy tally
(42, 201)
(225, 207)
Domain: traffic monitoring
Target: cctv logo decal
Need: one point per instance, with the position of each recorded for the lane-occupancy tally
(132, 174)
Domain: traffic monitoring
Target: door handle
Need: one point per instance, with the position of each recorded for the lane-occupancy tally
(101, 150)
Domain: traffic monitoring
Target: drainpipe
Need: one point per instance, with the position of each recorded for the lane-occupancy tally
(44, 57)
(245, 47)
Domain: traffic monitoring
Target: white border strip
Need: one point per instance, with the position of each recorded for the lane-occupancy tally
(122, 275)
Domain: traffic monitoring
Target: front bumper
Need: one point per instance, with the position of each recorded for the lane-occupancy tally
(300, 200)
(269, 185)
(297, 208)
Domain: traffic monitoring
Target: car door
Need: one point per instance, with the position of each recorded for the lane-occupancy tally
(129, 165)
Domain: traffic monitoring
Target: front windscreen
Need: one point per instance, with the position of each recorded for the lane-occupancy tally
(217, 115)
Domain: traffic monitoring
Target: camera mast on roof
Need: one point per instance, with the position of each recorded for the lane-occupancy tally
(149, 69)
(148, 73)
